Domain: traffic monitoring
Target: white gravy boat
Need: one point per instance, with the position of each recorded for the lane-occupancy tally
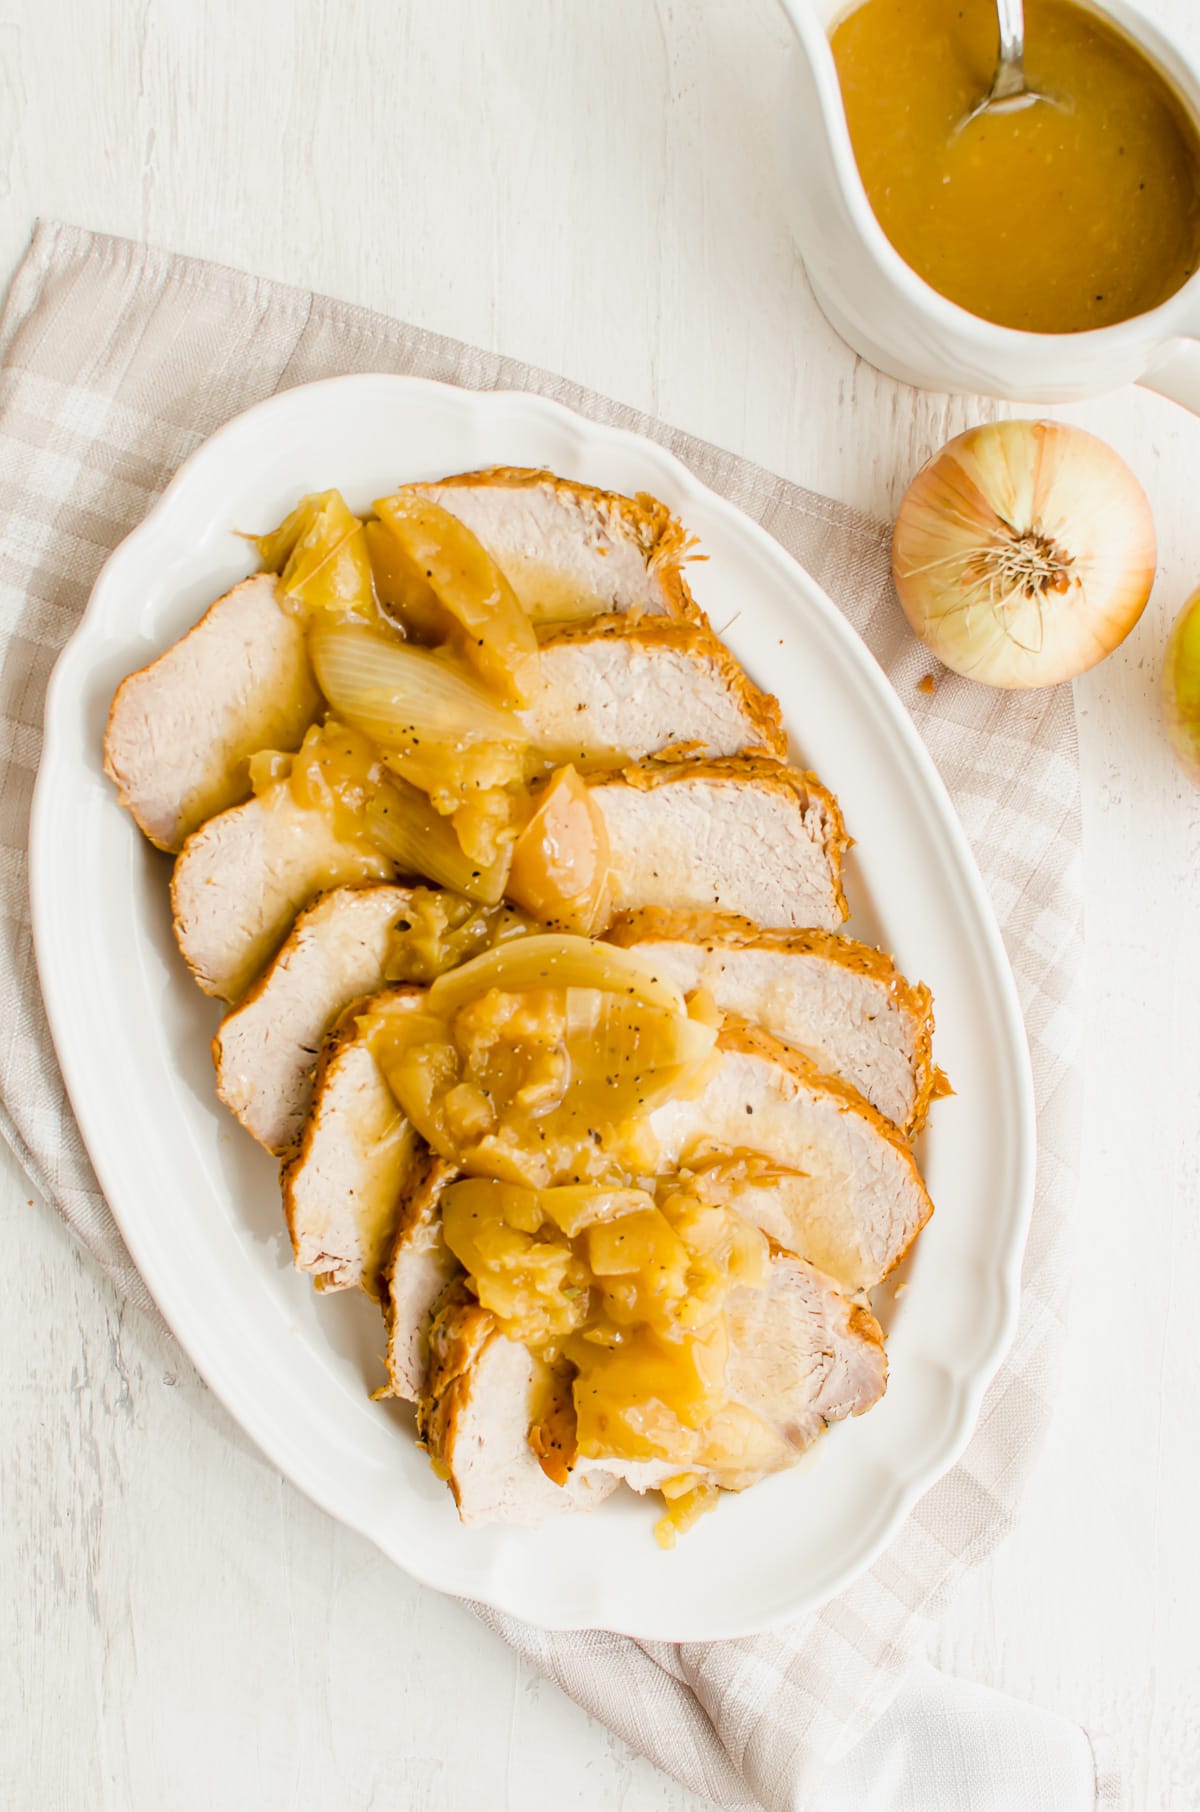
(880, 306)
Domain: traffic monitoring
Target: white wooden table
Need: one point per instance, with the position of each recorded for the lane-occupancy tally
(599, 189)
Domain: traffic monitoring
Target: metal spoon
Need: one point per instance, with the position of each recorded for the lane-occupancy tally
(1009, 89)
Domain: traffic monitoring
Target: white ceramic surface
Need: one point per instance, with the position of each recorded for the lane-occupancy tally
(198, 1204)
(890, 315)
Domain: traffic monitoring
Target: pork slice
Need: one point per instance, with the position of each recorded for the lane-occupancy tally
(343, 1188)
(842, 1003)
(417, 1273)
(801, 1355)
(637, 688)
(241, 879)
(744, 835)
(852, 1201)
(569, 550)
(182, 729)
(267, 1047)
(481, 1397)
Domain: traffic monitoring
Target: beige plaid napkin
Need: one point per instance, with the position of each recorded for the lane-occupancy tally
(117, 362)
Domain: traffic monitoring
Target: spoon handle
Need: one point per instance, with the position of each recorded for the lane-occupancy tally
(1010, 74)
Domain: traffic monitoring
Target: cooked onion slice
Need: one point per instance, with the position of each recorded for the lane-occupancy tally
(405, 594)
(401, 695)
(404, 825)
(495, 634)
(327, 567)
(275, 549)
(562, 865)
(555, 960)
(632, 1055)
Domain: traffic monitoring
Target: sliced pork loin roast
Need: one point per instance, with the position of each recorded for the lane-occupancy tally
(416, 1274)
(180, 731)
(849, 1198)
(246, 873)
(634, 689)
(343, 1188)
(242, 878)
(267, 1048)
(841, 1189)
(842, 1003)
(745, 835)
(481, 1396)
(800, 1356)
(568, 550)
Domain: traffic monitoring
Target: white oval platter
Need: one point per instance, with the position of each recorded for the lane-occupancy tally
(198, 1203)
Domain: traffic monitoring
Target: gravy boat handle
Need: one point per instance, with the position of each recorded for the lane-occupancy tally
(1178, 374)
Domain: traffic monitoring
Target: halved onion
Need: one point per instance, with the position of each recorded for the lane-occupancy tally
(496, 636)
(554, 960)
(399, 694)
(402, 823)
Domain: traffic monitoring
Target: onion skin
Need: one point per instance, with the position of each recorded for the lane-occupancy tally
(1006, 487)
(1181, 689)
